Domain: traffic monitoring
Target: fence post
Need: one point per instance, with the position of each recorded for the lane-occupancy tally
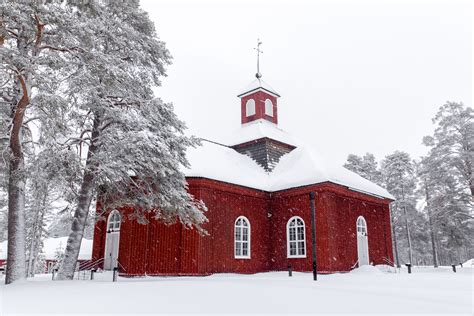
(115, 274)
(454, 268)
(409, 267)
(92, 274)
(290, 270)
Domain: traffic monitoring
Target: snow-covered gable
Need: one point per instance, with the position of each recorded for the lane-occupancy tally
(258, 84)
(302, 166)
(305, 166)
(52, 245)
(260, 129)
(222, 163)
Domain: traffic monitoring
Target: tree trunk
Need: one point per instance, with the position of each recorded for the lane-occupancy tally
(407, 228)
(16, 259)
(68, 266)
(432, 228)
(394, 239)
(37, 229)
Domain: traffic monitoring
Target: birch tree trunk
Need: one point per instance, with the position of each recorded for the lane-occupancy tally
(68, 266)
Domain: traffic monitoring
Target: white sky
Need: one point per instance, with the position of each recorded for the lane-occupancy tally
(354, 76)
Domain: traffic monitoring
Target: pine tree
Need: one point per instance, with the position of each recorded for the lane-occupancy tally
(453, 141)
(398, 172)
(134, 142)
(31, 42)
(366, 166)
(446, 176)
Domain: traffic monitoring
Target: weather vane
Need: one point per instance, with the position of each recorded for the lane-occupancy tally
(258, 74)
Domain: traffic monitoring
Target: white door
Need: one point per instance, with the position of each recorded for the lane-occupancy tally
(112, 241)
(362, 242)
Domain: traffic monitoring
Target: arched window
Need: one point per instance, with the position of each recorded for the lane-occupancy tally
(242, 238)
(268, 107)
(250, 107)
(361, 226)
(114, 221)
(296, 238)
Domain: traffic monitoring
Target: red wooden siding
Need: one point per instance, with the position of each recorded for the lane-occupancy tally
(159, 249)
(259, 97)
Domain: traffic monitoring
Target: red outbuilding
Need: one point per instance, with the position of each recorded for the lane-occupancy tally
(256, 189)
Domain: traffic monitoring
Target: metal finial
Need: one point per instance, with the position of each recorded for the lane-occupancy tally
(258, 74)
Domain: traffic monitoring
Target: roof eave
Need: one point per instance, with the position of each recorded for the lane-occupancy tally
(257, 89)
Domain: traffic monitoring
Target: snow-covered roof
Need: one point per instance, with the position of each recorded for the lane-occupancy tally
(51, 245)
(302, 166)
(256, 85)
(222, 163)
(257, 129)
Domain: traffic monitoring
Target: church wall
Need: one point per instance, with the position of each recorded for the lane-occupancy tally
(226, 203)
(337, 209)
(345, 214)
(159, 249)
(296, 202)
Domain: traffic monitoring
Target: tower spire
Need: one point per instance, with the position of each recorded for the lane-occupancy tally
(258, 74)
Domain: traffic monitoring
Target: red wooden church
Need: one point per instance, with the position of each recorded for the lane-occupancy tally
(257, 190)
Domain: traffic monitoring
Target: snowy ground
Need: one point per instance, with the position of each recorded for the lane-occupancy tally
(363, 291)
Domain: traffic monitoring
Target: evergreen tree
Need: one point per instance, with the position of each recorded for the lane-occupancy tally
(131, 144)
(366, 166)
(398, 171)
(452, 144)
(33, 40)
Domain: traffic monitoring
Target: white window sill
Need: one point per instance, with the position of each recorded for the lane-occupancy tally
(239, 257)
(295, 257)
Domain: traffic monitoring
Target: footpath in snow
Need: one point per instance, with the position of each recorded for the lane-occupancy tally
(368, 290)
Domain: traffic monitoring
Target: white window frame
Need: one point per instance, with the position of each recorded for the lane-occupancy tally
(250, 107)
(361, 226)
(297, 240)
(115, 224)
(242, 241)
(269, 107)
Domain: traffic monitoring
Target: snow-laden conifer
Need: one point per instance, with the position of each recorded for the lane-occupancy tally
(34, 38)
(131, 145)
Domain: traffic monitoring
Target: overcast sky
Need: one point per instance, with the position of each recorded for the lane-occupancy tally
(354, 76)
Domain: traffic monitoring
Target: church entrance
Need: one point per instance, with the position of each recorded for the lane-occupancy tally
(362, 242)
(112, 240)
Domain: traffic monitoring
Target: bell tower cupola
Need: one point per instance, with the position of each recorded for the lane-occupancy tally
(259, 100)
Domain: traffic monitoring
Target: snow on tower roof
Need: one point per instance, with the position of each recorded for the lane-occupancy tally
(256, 85)
(51, 245)
(260, 128)
(302, 166)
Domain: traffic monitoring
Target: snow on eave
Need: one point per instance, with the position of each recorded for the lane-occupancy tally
(372, 194)
(229, 183)
(335, 183)
(272, 93)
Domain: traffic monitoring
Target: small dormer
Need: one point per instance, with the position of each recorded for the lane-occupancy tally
(259, 101)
